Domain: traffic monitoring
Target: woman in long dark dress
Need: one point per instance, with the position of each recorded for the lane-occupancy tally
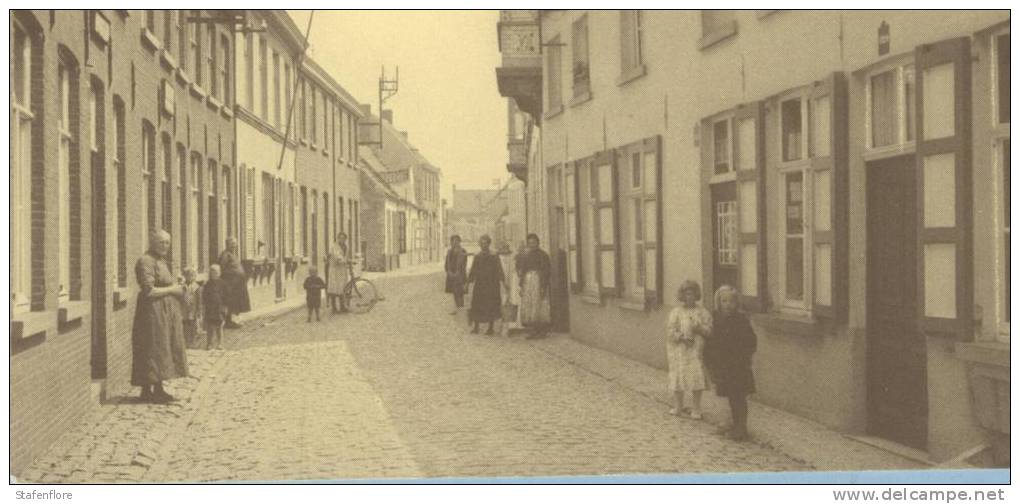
(157, 335)
(728, 355)
(487, 275)
(534, 267)
(236, 280)
(456, 274)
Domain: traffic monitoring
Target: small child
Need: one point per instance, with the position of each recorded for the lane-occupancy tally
(313, 292)
(190, 305)
(215, 309)
(728, 355)
(687, 328)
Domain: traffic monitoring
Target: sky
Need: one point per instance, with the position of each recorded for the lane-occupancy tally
(447, 101)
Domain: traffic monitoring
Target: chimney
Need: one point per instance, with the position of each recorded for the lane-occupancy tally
(387, 115)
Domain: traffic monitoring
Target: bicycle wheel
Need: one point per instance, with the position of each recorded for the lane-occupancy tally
(361, 295)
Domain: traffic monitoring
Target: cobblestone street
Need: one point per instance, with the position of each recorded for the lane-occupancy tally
(403, 391)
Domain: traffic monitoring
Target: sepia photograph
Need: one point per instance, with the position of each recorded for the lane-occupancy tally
(509, 246)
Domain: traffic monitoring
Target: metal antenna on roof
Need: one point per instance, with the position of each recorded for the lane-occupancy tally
(387, 89)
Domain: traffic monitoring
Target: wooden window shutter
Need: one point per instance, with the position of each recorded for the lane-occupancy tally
(577, 283)
(945, 279)
(604, 224)
(652, 219)
(830, 196)
(748, 137)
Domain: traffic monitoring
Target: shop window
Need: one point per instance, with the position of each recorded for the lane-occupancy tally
(23, 121)
(580, 66)
(792, 130)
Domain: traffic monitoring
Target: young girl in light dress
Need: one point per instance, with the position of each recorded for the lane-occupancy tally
(689, 324)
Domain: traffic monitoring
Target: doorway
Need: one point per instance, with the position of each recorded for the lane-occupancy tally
(896, 351)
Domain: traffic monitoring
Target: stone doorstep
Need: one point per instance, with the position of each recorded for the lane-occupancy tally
(794, 436)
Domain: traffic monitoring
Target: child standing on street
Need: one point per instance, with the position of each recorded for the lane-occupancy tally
(313, 292)
(728, 356)
(689, 324)
(214, 308)
(190, 306)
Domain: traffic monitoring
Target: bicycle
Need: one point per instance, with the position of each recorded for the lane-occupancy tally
(360, 294)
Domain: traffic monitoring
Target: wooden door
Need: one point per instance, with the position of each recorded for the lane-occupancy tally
(896, 355)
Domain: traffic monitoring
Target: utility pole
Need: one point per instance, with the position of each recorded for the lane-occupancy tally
(387, 89)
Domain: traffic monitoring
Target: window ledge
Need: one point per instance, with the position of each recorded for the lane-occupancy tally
(553, 112)
(227, 112)
(72, 311)
(325, 152)
(149, 39)
(120, 298)
(24, 325)
(888, 151)
(168, 60)
(796, 325)
(197, 91)
(631, 75)
(304, 142)
(579, 98)
(991, 353)
(720, 34)
(213, 103)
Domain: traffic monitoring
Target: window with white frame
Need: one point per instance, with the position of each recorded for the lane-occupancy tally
(805, 200)
(891, 116)
(64, 179)
(275, 98)
(630, 41)
(21, 141)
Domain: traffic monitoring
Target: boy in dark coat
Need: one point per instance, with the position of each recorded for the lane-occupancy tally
(728, 357)
(313, 292)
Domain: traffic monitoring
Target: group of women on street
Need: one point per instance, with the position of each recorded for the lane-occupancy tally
(511, 288)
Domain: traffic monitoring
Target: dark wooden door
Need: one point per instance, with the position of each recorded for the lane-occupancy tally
(896, 355)
(724, 236)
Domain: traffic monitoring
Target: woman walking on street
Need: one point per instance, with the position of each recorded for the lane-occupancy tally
(456, 277)
(236, 284)
(157, 335)
(487, 275)
(336, 273)
(534, 269)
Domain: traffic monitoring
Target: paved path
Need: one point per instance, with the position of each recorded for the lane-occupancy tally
(406, 391)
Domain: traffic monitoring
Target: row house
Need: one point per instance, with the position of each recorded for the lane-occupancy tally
(270, 55)
(328, 189)
(824, 163)
(416, 180)
(384, 216)
(121, 122)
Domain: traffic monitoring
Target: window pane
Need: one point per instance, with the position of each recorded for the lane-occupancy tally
(606, 226)
(635, 169)
(651, 180)
(795, 204)
(605, 190)
(638, 220)
(748, 197)
(792, 130)
(721, 146)
(821, 122)
(909, 100)
(940, 190)
(795, 269)
(940, 280)
(651, 221)
(746, 155)
(822, 217)
(939, 101)
(823, 274)
(726, 233)
(883, 109)
(1002, 73)
(749, 270)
